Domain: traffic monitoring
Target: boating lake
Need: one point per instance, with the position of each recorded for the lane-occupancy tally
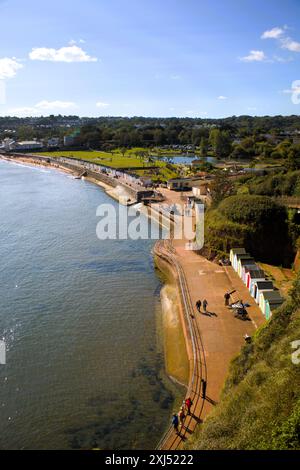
(81, 322)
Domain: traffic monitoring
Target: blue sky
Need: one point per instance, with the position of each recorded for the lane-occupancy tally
(149, 57)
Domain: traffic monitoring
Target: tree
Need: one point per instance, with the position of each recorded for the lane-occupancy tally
(203, 147)
(293, 159)
(221, 187)
(220, 142)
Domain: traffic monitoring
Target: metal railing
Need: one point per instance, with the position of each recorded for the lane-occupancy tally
(166, 251)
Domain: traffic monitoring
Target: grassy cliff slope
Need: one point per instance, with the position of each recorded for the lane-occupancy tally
(260, 403)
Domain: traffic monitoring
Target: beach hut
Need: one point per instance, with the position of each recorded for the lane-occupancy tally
(269, 302)
(246, 268)
(262, 286)
(236, 251)
(254, 275)
(237, 257)
(248, 261)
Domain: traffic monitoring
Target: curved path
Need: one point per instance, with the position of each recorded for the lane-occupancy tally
(213, 338)
(171, 440)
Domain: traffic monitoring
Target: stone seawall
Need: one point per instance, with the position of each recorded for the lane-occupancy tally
(90, 171)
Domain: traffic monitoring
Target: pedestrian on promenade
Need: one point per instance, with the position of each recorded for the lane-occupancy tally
(227, 298)
(203, 382)
(198, 305)
(181, 415)
(205, 304)
(188, 404)
(175, 422)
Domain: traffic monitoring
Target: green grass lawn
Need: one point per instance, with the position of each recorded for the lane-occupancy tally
(116, 160)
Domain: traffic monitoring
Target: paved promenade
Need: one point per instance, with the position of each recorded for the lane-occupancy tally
(218, 334)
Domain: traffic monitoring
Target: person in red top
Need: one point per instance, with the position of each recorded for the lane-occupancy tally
(188, 404)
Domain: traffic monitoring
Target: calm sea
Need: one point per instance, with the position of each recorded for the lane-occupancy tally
(80, 318)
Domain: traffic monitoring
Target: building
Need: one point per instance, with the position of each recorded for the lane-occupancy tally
(245, 261)
(185, 184)
(262, 286)
(8, 144)
(28, 145)
(68, 140)
(53, 142)
(237, 258)
(252, 276)
(246, 268)
(269, 302)
(201, 190)
(236, 251)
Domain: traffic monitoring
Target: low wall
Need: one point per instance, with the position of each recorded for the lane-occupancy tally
(78, 167)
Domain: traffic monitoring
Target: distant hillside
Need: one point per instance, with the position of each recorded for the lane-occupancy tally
(260, 403)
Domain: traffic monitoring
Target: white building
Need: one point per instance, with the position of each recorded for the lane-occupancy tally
(8, 144)
(28, 145)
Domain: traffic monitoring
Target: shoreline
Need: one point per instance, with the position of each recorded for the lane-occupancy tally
(176, 379)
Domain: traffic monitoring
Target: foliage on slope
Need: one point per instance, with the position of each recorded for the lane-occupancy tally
(255, 222)
(280, 184)
(260, 402)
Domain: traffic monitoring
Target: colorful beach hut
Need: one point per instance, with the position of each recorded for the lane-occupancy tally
(236, 251)
(269, 302)
(244, 262)
(237, 258)
(254, 275)
(246, 268)
(262, 286)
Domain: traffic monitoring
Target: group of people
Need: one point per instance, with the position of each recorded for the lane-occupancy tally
(178, 419)
(204, 304)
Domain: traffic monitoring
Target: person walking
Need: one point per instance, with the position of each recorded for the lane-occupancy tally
(203, 382)
(175, 422)
(205, 304)
(198, 305)
(181, 415)
(188, 404)
(227, 298)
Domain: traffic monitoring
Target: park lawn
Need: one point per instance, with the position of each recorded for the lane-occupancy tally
(115, 160)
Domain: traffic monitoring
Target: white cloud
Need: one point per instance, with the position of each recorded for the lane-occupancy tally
(286, 42)
(9, 67)
(71, 53)
(221, 97)
(175, 77)
(42, 106)
(72, 42)
(282, 60)
(100, 104)
(290, 44)
(254, 56)
(274, 33)
(23, 112)
(55, 104)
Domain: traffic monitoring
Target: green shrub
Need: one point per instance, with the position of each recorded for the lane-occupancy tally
(255, 222)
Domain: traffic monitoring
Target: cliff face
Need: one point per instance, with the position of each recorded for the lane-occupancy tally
(260, 403)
